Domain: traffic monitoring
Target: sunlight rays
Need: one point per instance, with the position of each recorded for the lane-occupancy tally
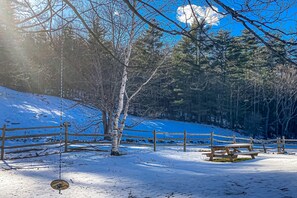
(10, 35)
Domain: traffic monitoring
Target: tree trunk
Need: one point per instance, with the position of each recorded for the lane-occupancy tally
(231, 109)
(116, 128)
(115, 133)
(267, 120)
(115, 144)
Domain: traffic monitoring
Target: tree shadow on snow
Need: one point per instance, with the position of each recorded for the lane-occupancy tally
(165, 173)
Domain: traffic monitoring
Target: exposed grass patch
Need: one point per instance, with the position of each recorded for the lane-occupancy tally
(228, 160)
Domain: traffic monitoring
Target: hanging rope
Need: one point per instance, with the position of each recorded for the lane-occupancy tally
(60, 184)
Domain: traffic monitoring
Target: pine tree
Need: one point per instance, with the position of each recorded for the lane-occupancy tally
(190, 74)
(146, 55)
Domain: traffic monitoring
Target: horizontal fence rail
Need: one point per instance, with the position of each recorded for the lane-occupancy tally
(5, 136)
(130, 136)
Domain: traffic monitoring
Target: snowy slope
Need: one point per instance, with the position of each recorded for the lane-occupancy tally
(27, 110)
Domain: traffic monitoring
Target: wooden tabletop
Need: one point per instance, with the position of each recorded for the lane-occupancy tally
(240, 145)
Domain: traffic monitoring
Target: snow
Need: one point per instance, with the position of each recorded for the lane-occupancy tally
(140, 172)
(168, 172)
(27, 110)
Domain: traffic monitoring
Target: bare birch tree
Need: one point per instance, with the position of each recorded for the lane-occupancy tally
(124, 28)
(286, 103)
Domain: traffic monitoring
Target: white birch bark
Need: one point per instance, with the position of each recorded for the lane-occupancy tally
(125, 114)
(120, 107)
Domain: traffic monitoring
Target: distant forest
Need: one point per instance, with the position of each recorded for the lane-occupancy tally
(229, 81)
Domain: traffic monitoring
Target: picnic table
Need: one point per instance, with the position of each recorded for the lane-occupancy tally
(231, 151)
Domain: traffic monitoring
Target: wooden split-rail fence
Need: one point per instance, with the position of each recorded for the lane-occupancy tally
(5, 136)
(60, 135)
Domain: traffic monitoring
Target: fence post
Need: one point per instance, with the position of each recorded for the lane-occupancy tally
(66, 136)
(155, 140)
(211, 139)
(283, 144)
(185, 140)
(264, 147)
(3, 141)
(252, 142)
(278, 141)
(234, 139)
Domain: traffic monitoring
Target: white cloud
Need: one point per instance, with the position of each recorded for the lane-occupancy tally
(186, 14)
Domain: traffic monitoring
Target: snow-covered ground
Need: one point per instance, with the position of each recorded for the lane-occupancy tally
(143, 173)
(26, 110)
(140, 173)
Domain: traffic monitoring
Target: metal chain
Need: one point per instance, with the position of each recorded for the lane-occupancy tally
(61, 91)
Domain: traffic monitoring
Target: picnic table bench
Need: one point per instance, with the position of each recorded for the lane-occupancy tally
(231, 151)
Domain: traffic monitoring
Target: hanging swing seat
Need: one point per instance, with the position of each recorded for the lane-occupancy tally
(59, 184)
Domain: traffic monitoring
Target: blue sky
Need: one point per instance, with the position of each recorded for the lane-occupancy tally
(287, 22)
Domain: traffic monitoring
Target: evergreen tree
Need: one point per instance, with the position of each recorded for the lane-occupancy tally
(190, 62)
(222, 90)
(146, 55)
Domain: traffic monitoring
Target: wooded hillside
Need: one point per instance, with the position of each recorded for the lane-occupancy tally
(231, 81)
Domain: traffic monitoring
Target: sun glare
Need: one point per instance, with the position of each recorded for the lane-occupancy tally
(10, 34)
